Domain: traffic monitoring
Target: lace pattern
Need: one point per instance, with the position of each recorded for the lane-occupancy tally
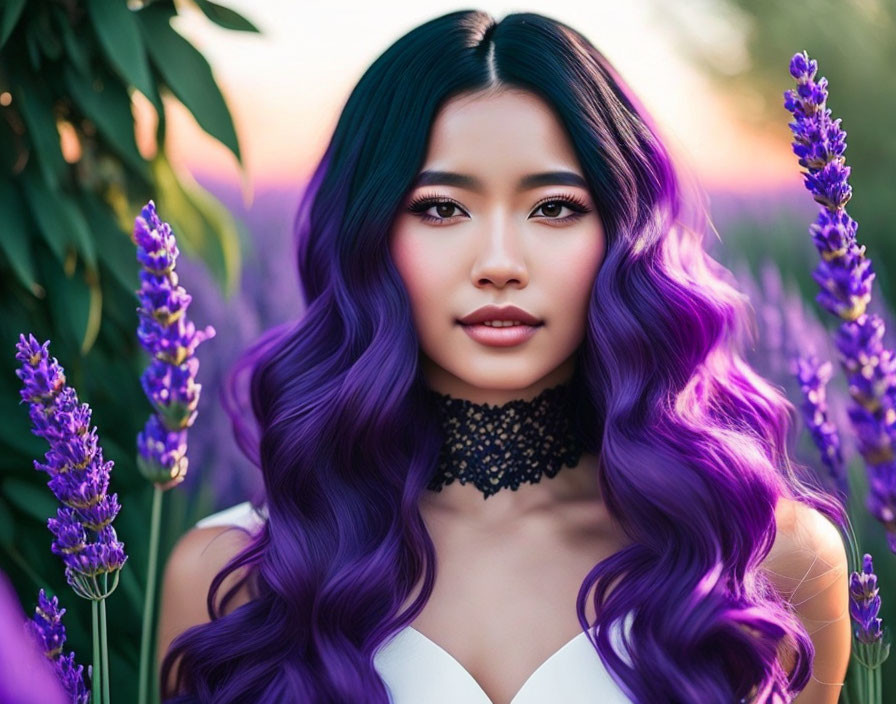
(497, 447)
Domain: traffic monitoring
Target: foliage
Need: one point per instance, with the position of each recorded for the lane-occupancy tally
(73, 177)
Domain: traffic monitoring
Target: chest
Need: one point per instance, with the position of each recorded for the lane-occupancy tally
(504, 597)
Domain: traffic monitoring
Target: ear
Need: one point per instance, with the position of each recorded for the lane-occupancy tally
(808, 566)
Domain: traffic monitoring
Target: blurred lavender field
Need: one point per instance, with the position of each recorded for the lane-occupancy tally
(220, 475)
(766, 244)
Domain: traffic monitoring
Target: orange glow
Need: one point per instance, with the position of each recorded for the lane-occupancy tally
(285, 101)
(68, 141)
(146, 121)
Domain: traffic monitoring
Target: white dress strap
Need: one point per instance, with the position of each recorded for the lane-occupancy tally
(242, 515)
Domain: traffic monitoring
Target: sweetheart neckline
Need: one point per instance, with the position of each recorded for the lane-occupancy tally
(475, 682)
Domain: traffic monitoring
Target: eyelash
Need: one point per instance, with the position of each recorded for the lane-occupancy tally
(422, 203)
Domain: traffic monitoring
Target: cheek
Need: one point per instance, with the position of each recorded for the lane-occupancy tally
(582, 273)
(574, 276)
(421, 272)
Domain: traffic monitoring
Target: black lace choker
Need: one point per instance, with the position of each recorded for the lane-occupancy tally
(496, 447)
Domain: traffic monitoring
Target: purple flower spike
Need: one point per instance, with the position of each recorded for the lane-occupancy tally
(47, 629)
(845, 276)
(156, 247)
(78, 474)
(47, 625)
(172, 390)
(26, 675)
(71, 538)
(162, 453)
(72, 676)
(169, 380)
(864, 603)
(813, 376)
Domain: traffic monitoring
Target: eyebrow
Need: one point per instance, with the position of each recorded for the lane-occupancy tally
(471, 183)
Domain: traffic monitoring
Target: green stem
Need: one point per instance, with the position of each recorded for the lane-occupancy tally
(869, 686)
(149, 597)
(95, 675)
(104, 650)
(25, 567)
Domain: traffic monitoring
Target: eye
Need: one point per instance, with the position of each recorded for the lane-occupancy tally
(445, 207)
(554, 205)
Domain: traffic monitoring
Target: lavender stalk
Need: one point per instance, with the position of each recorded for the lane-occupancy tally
(79, 478)
(869, 650)
(46, 627)
(845, 276)
(169, 383)
(813, 376)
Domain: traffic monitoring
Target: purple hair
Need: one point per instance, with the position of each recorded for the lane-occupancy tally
(693, 444)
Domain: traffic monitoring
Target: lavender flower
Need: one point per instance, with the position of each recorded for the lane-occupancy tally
(870, 647)
(813, 376)
(79, 476)
(159, 447)
(46, 625)
(864, 603)
(169, 381)
(845, 277)
(47, 629)
(25, 674)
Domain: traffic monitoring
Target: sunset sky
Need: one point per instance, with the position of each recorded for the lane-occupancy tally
(286, 86)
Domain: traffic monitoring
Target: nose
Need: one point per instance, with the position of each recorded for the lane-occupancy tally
(500, 260)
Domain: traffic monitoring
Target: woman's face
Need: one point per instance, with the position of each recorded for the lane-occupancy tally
(504, 218)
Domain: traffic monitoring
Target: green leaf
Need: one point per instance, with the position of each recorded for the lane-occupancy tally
(95, 310)
(59, 219)
(14, 423)
(33, 45)
(131, 587)
(225, 17)
(115, 247)
(29, 499)
(7, 526)
(36, 104)
(12, 10)
(39, 197)
(72, 46)
(119, 35)
(15, 242)
(204, 228)
(106, 102)
(76, 306)
(188, 75)
(40, 27)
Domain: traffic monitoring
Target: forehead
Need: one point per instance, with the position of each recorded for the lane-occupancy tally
(502, 133)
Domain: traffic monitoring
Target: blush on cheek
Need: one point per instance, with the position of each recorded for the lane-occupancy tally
(578, 271)
(410, 256)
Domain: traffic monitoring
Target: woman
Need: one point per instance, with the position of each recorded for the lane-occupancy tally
(511, 451)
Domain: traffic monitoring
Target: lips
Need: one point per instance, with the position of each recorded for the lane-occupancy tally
(493, 312)
(508, 336)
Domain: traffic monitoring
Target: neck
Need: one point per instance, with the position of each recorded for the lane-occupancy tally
(505, 460)
(572, 485)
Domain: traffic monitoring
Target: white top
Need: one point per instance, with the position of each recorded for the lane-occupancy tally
(417, 669)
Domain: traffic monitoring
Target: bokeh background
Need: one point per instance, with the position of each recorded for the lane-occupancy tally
(222, 125)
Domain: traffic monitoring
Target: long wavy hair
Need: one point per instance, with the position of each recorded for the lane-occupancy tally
(693, 443)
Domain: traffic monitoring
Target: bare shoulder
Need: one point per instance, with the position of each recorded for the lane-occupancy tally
(808, 566)
(189, 570)
(808, 553)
